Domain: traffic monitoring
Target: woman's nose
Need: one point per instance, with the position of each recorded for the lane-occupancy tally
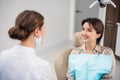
(84, 32)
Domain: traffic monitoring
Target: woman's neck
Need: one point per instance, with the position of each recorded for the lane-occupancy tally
(28, 43)
(90, 47)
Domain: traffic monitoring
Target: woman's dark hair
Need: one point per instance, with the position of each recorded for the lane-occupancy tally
(26, 23)
(97, 25)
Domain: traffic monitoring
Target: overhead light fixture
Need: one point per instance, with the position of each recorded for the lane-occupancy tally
(102, 3)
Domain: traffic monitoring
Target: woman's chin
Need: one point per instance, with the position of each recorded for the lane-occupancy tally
(85, 41)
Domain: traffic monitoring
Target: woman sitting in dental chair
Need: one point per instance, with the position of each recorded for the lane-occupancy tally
(91, 61)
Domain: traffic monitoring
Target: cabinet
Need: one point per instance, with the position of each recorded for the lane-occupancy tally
(112, 31)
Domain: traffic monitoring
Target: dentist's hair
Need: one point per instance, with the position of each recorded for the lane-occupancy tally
(26, 22)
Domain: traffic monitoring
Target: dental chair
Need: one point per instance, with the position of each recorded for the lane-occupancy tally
(61, 61)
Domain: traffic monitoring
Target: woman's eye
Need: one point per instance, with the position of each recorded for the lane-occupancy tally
(90, 30)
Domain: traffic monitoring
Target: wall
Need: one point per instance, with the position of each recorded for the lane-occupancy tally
(83, 11)
(56, 13)
(72, 18)
(59, 20)
(102, 14)
(118, 41)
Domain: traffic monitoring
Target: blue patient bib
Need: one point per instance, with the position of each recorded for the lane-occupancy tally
(89, 66)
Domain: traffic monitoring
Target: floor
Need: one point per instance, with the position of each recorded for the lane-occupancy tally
(51, 55)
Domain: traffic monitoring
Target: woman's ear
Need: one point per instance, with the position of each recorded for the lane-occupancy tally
(37, 32)
(98, 35)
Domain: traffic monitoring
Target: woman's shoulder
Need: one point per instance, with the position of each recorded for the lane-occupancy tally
(105, 50)
(76, 50)
(7, 51)
(42, 62)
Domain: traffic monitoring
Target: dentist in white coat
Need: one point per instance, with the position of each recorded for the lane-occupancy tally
(20, 61)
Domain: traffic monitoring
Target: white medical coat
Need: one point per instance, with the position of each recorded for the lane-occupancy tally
(21, 63)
